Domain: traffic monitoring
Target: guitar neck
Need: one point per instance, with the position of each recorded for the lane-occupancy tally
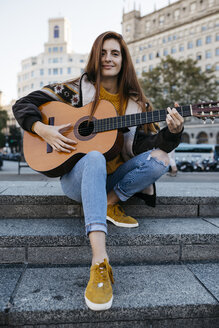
(126, 121)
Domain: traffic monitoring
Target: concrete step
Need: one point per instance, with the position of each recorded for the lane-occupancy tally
(149, 296)
(46, 199)
(63, 241)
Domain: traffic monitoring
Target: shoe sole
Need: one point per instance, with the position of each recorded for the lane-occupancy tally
(124, 225)
(98, 307)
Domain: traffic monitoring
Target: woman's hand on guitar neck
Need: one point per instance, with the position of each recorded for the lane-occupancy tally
(53, 135)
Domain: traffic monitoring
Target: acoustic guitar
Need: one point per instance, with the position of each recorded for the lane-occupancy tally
(101, 134)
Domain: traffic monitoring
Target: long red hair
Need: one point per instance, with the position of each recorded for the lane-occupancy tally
(128, 84)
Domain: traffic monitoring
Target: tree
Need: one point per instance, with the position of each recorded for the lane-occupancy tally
(14, 138)
(2, 140)
(3, 119)
(178, 81)
(3, 124)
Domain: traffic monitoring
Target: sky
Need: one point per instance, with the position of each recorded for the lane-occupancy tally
(24, 28)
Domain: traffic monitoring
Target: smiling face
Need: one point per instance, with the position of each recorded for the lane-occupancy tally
(111, 60)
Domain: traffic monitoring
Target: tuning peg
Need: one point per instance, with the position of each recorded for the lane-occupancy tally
(204, 120)
(212, 120)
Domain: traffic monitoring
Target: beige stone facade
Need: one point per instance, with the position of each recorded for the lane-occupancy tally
(57, 63)
(183, 29)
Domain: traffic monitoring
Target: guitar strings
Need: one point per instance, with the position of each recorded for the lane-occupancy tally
(114, 123)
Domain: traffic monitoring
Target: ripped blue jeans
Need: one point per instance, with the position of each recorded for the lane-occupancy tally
(88, 183)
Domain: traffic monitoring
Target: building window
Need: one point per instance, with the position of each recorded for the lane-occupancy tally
(208, 39)
(193, 7)
(164, 40)
(217, 37)
(190, 45)
(56, 31)
(161, 20)
(217, 67)
(49, 71)
(50, 50)
(217, 52)
(151, 56)
(32, 73)
(41, 84)
(60, 71)
(169, 38)
(176, 13)
(32, 85)
(204, 28)
(173, 50)
(81, 60)
(174, 37)
(137, 60)
(198, 56)
(198, 42)
(144, 58)
(181, 47)
(150, 68)
(41, 71)
(144, 69)
(55, 71)
(55, 49)
(69, 70)
(165, 52)
(208, 54)
(61, 49)
(147, 26)
(55, 60)
(208, 67)
(128, 28)
(202, 138)
(185, 138)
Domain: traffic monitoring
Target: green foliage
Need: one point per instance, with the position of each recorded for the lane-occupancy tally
(2, 140)
(3, 119)
(14, 137)
(178, 81)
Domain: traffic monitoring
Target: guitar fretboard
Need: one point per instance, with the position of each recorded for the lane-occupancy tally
(124, 121)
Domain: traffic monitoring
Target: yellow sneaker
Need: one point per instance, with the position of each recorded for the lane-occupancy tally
(99, 293)
(117, 216)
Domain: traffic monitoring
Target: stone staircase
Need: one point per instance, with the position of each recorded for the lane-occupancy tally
(166, 271)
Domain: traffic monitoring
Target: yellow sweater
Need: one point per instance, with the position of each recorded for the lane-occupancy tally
(114, 99)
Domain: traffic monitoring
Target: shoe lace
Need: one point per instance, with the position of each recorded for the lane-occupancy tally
(102, 271)
(118, 210)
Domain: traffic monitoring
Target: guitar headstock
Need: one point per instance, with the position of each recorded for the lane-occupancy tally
(206, 110)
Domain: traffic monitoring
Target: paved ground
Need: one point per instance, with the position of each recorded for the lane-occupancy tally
(9, 172)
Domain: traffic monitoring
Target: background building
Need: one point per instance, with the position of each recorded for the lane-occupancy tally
(57, 63)
(184, 29)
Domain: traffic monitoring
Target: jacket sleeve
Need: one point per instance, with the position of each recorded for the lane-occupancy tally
(164, 139)
(26, 109)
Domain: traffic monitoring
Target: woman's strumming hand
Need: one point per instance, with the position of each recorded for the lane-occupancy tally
(174, 120)
(53, 135)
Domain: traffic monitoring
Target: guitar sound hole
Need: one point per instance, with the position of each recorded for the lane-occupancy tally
(86, 128)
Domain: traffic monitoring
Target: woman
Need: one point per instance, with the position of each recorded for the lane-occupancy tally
(109, 75)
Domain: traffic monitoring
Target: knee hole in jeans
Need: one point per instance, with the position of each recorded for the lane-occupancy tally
(161, 156)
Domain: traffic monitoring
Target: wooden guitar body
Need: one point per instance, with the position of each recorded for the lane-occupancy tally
(102, 134)
(42, 158)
